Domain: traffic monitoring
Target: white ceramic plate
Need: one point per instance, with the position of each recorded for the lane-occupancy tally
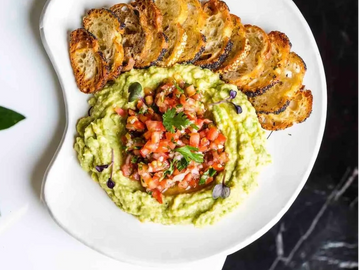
(83, 209)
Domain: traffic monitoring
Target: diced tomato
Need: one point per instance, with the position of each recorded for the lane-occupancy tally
(223, 158)
(183, 100)
(153, 182)
(213, 146)
(193, 183)
(143, 169)
(190, 90)
(151, 146)
(218, 167)
(143, 118)
(163, 147)
(209, 180)
(196, 96)
(195, 139)
(144, 152)
(188, 177)
(212, 134)
(121, 112)
(202, 134)
(157, 195)
(155, 125)
(204, 144)
(165, 184)
(139, 104)
(183, 184)
(160, 156)
(147, 135)
(126, 169)
(155, 137)
(131, 112)
(220, 140)
(156, 166)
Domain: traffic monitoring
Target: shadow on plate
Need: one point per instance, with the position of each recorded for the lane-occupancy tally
(44, 160)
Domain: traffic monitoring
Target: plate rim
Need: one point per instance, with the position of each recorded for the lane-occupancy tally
(250, 238)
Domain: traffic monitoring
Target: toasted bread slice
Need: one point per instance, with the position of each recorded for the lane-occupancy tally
(195, 45)
(217, 31)
(254, 63)
(106, 27)
(177, 41)
(279, 53)
(173, 11)
(174, 14)
(240, 48)
(278, 97)
(90, 68)
(157, 38)
(298, 111)
(136, 37)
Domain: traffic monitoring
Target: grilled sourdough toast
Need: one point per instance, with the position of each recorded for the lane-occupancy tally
(217, 31)
(136, 37)
(107, 29)
(174, 14)
(279, 53)
(240, 48)
(298, 111)
(90, 68)
(157, 38)
(177, 39)
(254, 63)
(174, 11)
(195, 45)
(278, 97)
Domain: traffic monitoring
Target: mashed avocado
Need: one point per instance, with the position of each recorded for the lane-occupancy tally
(100, 133)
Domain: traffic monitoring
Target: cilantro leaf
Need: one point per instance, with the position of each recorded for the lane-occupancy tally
(170, 170)
(178, 87)
(171, 120)
(209, 173)
(188, 153)
(182, 164)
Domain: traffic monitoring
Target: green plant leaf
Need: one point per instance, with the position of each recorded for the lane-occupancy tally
(171, 120)
(8, 118)
(135, 91)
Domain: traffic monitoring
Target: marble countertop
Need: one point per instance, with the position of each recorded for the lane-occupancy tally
(320, 231)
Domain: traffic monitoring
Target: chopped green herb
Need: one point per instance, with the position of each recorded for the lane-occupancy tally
(171, 120)
(182, 164)
(209, 173)
(170, 170)
(178, 87)
(194, 126)
(134, 159)
(188, 152)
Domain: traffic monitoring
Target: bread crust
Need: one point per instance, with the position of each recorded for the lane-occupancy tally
(298, 111)
(88, 63)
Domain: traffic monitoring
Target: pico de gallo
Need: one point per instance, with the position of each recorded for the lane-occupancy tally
(169, 142)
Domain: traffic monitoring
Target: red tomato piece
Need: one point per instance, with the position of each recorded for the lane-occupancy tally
(218, 167)
(195, 139)
(220, 140)
(212, 134)
(121, 112)
(155, 125)
(126, 170)
(157, 195)
(183, 184)
(163, 147)
(155, 137)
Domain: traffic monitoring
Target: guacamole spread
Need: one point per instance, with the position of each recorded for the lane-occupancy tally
(101, 150)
